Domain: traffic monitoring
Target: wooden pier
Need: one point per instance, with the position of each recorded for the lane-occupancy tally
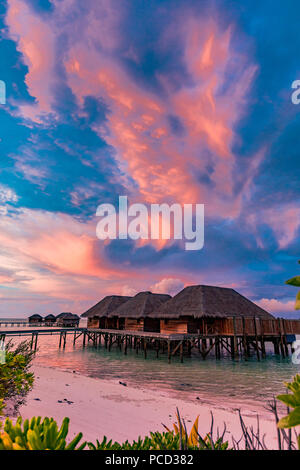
(238, 343)
(34, 333)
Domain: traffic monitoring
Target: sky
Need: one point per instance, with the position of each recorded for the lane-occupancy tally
(164, 101)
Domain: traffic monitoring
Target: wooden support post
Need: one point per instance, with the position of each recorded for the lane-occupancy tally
(65, 339)
(235, 346)
(110, 342)
(145, 348)
(284, 338)
(169, 351)
(60, 338)
(256, 339)
(262, 339)
(280, 338)
(232, 347)
(217, 347)
(74, 338)
(245, 346)
(36, 340)
(84, 339)
(276, 346)
(157, 348)
(125, 345)
(181, 351)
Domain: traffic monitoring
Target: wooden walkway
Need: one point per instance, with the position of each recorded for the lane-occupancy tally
(35, 332)
(235, 345)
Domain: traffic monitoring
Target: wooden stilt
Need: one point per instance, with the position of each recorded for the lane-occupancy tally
(245, 346)
(262, 339)
(286, 349)
(281, 338)
(235, 345)
(181, 351)
(256, 339)
(169, 351)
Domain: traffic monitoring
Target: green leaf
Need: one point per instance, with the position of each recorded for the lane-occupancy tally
(291, 420)
(297, 304)
(289, 400)
(294, 281)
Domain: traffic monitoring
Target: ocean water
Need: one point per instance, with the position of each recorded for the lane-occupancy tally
(226, 383)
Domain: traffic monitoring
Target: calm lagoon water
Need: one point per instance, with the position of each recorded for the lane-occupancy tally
(225, 382)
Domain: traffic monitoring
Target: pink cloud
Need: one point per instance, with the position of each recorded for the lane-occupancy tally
(163, 166)
(168, 286)
(284, 220)
(35, 40)
(277, 306)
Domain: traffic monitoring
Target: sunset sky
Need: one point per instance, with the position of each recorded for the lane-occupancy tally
(162, 101)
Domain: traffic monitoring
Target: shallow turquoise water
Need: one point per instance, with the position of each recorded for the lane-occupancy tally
(226, 382)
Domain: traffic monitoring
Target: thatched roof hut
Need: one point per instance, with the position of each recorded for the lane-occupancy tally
(63, 314)
(209, 301)
(107, 305)
(140, 305)
(50, 318)
(67, 319)
(36, 318)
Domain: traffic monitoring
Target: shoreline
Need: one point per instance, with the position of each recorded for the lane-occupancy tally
(98, 407)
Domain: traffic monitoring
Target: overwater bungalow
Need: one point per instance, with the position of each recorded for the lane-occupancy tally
(134, 315)
(196, 309)
(49, 319)
(205, 309)
(36, 318)
(201, 316)
(98, 315)
(66, 319)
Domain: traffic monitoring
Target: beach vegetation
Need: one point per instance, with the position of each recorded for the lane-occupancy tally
(37, 434)
(292, 400)
(16, 380)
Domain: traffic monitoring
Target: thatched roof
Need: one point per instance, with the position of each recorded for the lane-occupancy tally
(209, 301)
(106, 306)
(68, 316)
(50, 317)
(36, 316)
(140, 305)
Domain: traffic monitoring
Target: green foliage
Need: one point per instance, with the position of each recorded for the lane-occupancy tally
(160, 441)
(37, 435)
(291, 400)
(15, 379)
(170, 440)
(295, 281)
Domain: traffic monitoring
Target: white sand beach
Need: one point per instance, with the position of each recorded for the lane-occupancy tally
(99, 407)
